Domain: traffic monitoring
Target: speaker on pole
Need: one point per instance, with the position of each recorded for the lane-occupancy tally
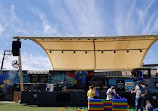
(16, 45)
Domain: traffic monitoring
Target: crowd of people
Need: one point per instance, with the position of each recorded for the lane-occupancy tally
(140, 91)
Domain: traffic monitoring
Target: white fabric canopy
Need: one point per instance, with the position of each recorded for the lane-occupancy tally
(96, 53)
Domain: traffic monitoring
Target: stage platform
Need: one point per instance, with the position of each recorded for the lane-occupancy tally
(74, 98)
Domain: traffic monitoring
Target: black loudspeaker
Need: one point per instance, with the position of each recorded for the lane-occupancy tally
(56, 98)
(63, 98)
(83, 99)
(120, 85)
(135, 72)
(30, 98)
(47, 99)
(16, 45)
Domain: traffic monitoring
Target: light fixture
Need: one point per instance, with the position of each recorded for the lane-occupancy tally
(127, 51)
(140, 50)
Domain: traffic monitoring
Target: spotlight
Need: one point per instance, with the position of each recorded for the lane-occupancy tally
(140, 50)
(50, 51)
(127, 51)
(102, 52)
(86, 52)
(114, 51)
(74, 52)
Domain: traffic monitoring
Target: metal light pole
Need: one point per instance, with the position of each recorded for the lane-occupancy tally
(6, 52)
(3, 60)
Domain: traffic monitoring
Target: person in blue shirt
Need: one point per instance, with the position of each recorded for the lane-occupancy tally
(96, 93)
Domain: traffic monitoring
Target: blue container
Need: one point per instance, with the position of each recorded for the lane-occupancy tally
(156, 109)
(120, 100)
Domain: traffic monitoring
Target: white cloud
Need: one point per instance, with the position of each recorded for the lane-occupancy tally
(78, 18)
(135, 20)
(12, 9)
(29, 62)
(2, 29)
(154, 27)
(46, 25)
(48, 29)
(148, 26)
(13, 14)
(143, 12)
(124, 20)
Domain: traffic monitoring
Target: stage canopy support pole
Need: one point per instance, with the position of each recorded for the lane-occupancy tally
(20, 71)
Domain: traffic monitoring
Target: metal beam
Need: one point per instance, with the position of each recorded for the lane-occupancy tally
(96, 50)
(87, 37)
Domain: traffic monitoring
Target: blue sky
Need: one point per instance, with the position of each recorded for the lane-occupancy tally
(73, 18)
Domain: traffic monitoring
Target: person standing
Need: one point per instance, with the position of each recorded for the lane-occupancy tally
(90, 94)
(148, 106)
(111, 93)
(140, 91)
(96, 96)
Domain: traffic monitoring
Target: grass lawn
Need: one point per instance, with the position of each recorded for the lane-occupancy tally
(21, 107)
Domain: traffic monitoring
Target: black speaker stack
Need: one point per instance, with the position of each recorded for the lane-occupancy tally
(16, 45)
(79, 99)
(56, 98)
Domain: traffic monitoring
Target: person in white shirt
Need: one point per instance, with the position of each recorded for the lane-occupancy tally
(110, 93)
(140, 91)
